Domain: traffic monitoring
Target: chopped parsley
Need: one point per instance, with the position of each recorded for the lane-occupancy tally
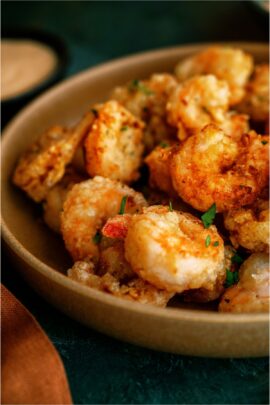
(209, 216)
(137, 85)
(163, 144)
(97, 238)
(170, 206)
(95, 112)
(123, 205)
(207, 240)
(237, 259)
(125, 128)
(264, 142)
(231, 278)
(216, 243)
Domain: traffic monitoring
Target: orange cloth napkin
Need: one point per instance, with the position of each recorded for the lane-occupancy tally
(32, 372)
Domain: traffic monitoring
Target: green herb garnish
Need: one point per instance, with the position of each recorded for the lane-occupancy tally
(207, 240)
(216, 243)
(124, 128)
(231, 278)
(123, 205)
(208, 217)
(237, 259)
(264, 142)
(163, 144)
(137, 85)
(170, 206)
(97, 238)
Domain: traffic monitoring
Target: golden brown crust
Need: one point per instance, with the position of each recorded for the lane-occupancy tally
(249, 226)
(256, 100)
(44, 163)
(114, 145)
(229, 64)
(158, 164)
(133, 290)
(211, 167)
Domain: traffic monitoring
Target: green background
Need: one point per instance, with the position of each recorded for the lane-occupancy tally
(99, 368)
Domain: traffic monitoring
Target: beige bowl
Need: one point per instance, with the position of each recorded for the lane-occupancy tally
(42, 259)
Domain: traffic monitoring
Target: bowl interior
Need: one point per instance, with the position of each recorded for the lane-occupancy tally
(65, 104)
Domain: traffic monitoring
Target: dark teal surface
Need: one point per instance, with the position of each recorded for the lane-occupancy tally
(101, 369)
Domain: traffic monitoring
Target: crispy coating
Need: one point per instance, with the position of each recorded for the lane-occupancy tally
(114, 144)
(251, 293)
(202, 295)
(235, 124)
(196, 103)
(135, 289)
(256, 100)
(229, 64)
(175, 251)
(249, 226)
(87, 207)
(55, 197)
(112, 260)
(159, 168)
(43, 164)
(147, 99)
(212, 167)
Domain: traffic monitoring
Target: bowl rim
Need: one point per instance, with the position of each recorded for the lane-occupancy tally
(176, 314)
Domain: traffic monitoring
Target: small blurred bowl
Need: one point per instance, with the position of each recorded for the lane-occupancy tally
(12, 105)
(260, 7)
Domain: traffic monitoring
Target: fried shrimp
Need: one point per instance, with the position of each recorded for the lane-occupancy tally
(251, 294)
(87, 207)
(176, 252)
(206, 295)
(249, 226)
(44, 163)
(158, 164)
(256, 100)
(235, 124)
(114, 145)
(55, 197)
(229, 64)
(211, 167)
(197, 102)
(134, 289)
(112, 260)
(147, 99)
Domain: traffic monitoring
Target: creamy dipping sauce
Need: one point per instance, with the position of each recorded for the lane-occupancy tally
(24, 65)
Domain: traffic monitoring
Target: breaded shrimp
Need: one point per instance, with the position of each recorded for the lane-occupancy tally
(87, 207)
(147, 99)
(43, 164)
(251, 294)
(112, 260)
(135, 289)
(249, 226)
(114, 144)
(172, 250)
(229, 64)
(211, 167)
(197, 102)
(206, 295)
(235, 124)
(55, 197)
(158, 164)
(256, 100)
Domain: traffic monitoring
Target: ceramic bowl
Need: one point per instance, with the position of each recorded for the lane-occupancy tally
(42, 259)
(13, 104)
